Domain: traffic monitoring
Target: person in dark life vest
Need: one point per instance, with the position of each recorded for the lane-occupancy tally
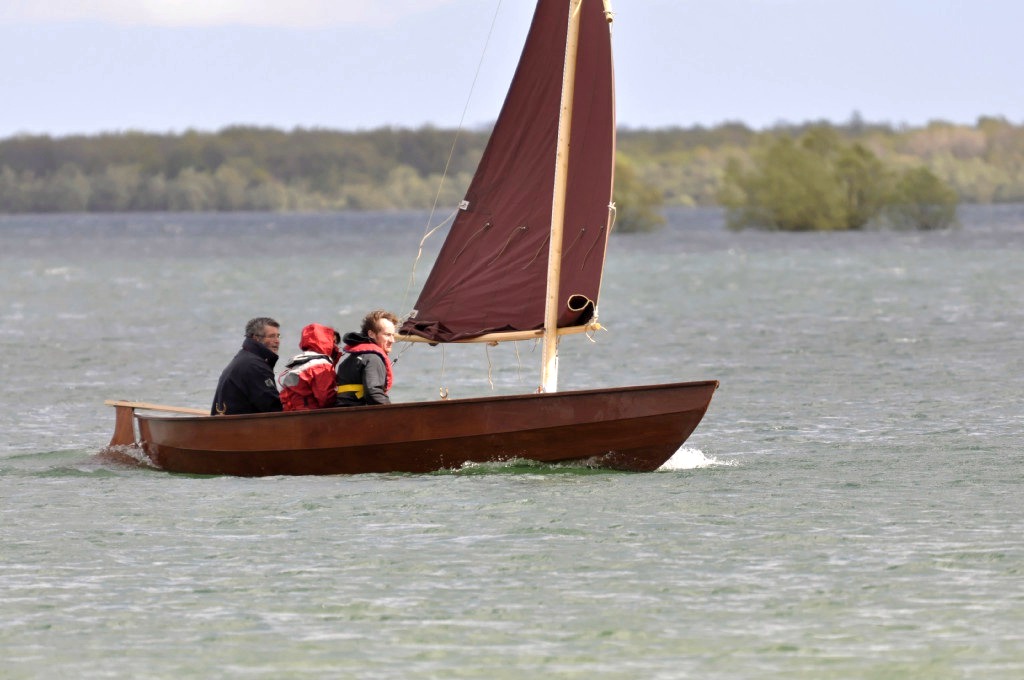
(247, 383)
(364, 374)
(308, 381)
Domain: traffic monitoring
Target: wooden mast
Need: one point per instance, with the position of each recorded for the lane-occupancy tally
(549, 365)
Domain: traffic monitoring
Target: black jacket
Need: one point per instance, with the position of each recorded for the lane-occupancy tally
(363, 368)
(247, 384)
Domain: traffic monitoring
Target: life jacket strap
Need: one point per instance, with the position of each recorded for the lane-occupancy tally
(357, 389)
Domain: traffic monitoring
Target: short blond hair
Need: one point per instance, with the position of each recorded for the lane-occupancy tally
(371, 322)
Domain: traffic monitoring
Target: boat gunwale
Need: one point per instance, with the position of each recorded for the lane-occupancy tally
(428, 404)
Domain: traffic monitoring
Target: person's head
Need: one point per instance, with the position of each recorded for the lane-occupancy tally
(379, 326)
(318, 338)
(266, 331)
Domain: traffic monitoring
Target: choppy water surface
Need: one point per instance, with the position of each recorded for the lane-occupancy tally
(849, 508)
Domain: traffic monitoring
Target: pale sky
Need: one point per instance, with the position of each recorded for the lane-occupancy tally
(88, 66)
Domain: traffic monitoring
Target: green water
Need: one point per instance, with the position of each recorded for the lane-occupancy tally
(849, 508)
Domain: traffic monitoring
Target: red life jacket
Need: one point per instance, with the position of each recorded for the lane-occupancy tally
(308, 379)
(370, 348)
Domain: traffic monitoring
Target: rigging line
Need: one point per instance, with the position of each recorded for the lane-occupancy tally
(593, 245)
(451, 152)
(519, 362)
(469, 241)
(565, 252)
(543, 246)
(400, 349)
(490, 366)
(579, 236)
(419, 254)
(515, 232)
(442, 389)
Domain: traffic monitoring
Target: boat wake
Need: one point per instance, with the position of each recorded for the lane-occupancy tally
(683, 459)
(693, 459)
(523, 466)
(128, 456)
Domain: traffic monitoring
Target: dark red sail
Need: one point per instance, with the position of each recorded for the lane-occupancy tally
(491, 271)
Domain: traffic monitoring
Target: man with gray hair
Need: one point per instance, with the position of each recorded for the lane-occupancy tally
(247, 384)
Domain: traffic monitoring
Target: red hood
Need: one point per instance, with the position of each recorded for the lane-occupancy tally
(317, 338)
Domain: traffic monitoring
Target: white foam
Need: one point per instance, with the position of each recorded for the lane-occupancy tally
(692, 459)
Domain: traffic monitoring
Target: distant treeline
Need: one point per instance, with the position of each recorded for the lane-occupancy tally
(247, 168)
(983, 163)
(238, 168)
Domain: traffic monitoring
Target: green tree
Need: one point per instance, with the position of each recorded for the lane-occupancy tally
(115, 189)
(192, 190)
(152, 194)
(791, 188)
(818, 182)
(13, 199)
(864, 179)
(66, 191)
(921, 200)
(637, 204)
(407, 188)
(268, 195)
(229, 187)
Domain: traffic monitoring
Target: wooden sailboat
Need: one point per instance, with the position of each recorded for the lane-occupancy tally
(523, 260)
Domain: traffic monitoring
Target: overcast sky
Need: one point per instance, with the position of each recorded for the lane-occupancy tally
(87, 66)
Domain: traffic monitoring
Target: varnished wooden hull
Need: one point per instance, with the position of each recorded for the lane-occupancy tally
(629, 428)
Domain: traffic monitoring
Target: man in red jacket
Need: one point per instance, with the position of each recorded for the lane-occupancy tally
(308, 381)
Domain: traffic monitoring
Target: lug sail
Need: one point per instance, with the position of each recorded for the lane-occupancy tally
(490, 274)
